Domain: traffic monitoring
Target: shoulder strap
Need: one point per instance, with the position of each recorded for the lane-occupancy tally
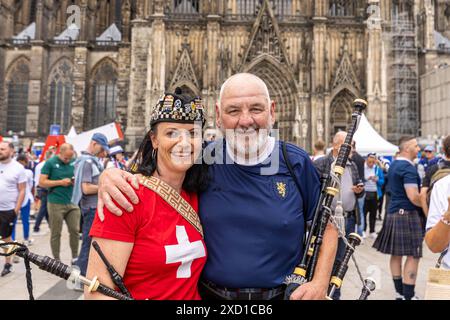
(441, 173)
(292, 173)
(174, 199)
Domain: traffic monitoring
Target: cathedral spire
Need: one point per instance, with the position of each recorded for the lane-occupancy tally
(265, 37)
(184, 72)
(345, 74)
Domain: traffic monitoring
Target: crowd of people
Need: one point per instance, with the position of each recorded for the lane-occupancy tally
(402, 186)
(225, 229)
(56, 188)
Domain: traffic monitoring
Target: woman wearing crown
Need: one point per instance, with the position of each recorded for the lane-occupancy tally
(159, 249)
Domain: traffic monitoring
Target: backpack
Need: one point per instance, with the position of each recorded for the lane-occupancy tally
(438, 175)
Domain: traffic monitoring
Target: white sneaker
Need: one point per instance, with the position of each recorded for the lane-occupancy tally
(398, 296)
(39, 233)
(28, 242)
(373, 235)
(415, 298)
(364, 235)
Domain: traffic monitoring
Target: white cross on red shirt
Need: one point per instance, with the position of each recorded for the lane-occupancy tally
(185, 252)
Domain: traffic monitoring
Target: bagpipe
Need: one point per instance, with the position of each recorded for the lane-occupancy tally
(331, 183)
(63, 271)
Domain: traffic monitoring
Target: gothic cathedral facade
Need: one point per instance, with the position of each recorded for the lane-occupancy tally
(85, 63)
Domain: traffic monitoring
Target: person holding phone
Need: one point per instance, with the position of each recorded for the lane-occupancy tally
(56, 176)
(374, 179)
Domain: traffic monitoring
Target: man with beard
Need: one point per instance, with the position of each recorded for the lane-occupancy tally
(56, 176)
(252, 212)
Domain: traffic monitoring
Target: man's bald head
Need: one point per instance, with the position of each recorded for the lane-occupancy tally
(338, 140)
(245, 110)
(66, 152)
(339, 137)
(65, 147)
(243, 81)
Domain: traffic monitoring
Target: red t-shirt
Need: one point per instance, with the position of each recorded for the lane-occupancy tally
(168, 253)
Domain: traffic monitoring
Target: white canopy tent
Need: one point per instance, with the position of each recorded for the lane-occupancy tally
(369, 140)
(81, 141)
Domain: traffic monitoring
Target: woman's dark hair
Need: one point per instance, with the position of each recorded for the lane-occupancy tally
(22, 158)
(196, 178)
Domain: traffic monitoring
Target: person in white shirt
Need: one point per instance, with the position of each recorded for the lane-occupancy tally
(437, 237)
(27, 202)
(12, 190)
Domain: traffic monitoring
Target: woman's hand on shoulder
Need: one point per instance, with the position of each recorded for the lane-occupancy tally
(114, 184)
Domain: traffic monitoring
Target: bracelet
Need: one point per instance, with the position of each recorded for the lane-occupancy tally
(446, 222)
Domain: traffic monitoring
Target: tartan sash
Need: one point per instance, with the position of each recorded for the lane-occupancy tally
(174, 199)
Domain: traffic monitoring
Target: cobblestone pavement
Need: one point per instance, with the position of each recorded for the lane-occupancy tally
(49, 287)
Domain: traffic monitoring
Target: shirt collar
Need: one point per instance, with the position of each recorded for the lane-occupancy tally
(406, 159)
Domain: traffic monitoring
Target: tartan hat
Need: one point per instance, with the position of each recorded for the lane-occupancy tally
(179, 108)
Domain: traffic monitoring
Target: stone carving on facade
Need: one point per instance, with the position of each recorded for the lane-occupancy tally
(304, 129)
(224, 65)
(185, 71)
(296, 129)
(20, 73)
(126, 11)
(447, 11)
(77, 118)
(265, 37)
(319, 129)
(319, 121)
(63, 72)
(304, 62)
(345, 74)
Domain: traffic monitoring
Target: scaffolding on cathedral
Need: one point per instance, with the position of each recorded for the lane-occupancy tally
(404, 86)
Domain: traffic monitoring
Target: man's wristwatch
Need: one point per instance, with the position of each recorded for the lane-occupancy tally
(444, 221)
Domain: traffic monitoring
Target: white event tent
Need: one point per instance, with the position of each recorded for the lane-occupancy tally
(369, 140)
(81, 141)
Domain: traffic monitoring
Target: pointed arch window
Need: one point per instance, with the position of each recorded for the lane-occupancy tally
(60, 102)
(281, 8)
(17, 96)
(104, 94)
(186, 6)
(340, 111)
(247, 7)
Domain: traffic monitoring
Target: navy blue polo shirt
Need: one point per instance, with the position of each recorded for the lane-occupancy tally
(254, 223)
(401, 173)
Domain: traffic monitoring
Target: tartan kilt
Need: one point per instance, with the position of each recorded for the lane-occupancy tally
(401, 235)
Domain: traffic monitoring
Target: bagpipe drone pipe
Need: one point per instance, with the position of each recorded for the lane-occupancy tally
(304, 272)
(63, 271)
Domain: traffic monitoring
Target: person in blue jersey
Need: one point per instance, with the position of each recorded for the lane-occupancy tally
(252, 212)
(403, 229)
